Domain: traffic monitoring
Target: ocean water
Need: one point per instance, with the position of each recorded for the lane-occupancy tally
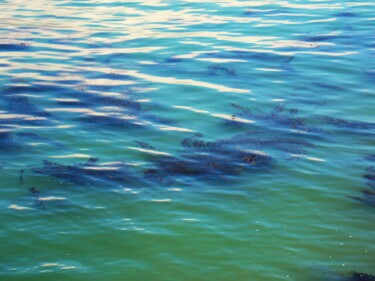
(187, 140)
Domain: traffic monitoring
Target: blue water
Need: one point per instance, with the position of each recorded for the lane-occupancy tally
(187, 140)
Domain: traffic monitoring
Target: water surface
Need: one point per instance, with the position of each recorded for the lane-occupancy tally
(187, 140)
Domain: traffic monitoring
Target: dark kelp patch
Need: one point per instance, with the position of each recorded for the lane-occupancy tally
(278, 117)
(87, 173)
(35, 194)
(7, 142)
(361, 276)
(368, 196)
(113, 111)
(35, 137)
(345, 124)
(348, 276)
(213, 161)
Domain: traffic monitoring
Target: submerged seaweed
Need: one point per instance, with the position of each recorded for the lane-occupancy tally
(87, 173)
(215, 161)
(269, 140)
(21, 104)
(35, 194)
(360, 276)
(5, 136)
(288, 119)
(213, 164)
(7, 141)
(18, 108)
(22, 137)
(341, 123)
(122, 110)
(10, 139)
(350, 276)
(226, 157)
(368, 197)
(278, 117)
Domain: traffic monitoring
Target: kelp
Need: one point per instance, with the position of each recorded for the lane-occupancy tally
(87, 173)
(35, 194)
(368, 196)
(345, 124)
(288, 119)
(279, 117)
(121, 111)
(9, 139)
(214, 161)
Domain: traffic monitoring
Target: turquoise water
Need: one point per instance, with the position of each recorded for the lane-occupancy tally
(187, 140)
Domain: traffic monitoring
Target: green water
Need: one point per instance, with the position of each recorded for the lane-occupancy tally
(184, 69)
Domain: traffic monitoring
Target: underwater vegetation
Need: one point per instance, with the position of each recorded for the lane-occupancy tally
(208, 164)
(12, 140)
(87, 173)
(21, 104)
(210, 138)
(279, 117)
(35, 137)
(282, 130)
(114, 110)
(88, 104)
(214, 161)
(368, 196)
(198, 159)
(269, 140)
(6, 141)
(345, 124)
(204, 161)
(19, 111)
(288, 119)
(35, 194)
(359, 276)
(279, 133)
(343, 276)
(107, 110)
(5, 135)
(352, 276)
